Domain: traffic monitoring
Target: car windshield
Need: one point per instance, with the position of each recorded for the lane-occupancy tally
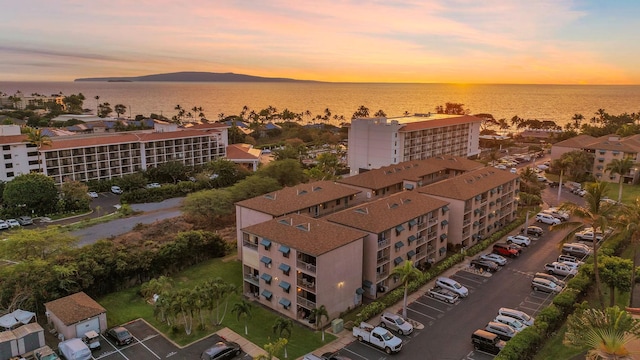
(399, 321)
(387, 336)
(457, 286)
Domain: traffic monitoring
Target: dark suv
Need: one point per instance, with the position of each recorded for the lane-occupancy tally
(484, 265)
(222, 350)
(486, 341)
(505, 249)
(532, 230)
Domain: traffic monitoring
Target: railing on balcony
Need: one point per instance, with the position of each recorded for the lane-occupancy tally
(252, 279)
(250, 245)
(382, 275)
(306, 303)
(433, 221)
(432, 234)
(382, 259)
(383, 243)
(421, 240)
(308, 285)
(307, 266)
(466, 222)
(422, 226)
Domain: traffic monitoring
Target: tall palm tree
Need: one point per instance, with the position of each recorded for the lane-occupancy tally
(120, 109)
(407, 272)
(577, 120)
(283, 327)
(630, 222)
(605, 332)
(97, 97)
(318, 314)
(620, 167)
(37, 138)
(242, 309)
(597, 214)
(563, 163)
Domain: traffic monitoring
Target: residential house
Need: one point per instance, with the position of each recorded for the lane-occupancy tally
(481, 202)
(295, 263)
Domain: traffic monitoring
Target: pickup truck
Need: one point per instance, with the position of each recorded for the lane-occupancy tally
(439, 293)
(560, 269)
(378, 337)
(587, 234)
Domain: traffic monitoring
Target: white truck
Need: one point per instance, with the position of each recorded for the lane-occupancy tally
(560, 269)
(378, 337)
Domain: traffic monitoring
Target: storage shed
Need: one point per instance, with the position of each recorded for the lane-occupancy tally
(30, 337)
(74, 315)
(8, 345)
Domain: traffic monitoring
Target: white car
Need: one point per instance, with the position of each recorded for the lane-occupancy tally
(516, 324)
(547, 219)
(396, 323)
(543, 167)
(92, 194)
(541, 178)
(513, 170)
(571, 264)
(501, 167)
(498, 259)
(450, 284)
(3, 225)
(555, 212)
(13, 223)
(116, 190)
(519, 240)
(153, 186)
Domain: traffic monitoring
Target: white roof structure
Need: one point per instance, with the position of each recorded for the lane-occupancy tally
(10, 320)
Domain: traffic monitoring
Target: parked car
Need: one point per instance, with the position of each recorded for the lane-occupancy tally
(504, 249)
(3, 225)
(333, 356)
(92, 194)
(92, 339)
(546, 219)
(442, 294)
(222, 350)
(120, 335)
(116, 190)
(504, 331)
(553, 184)
(587, 235)
(13, 223)
(45, 353)
(517, 314)
(516, 324)
(486, 341)
(450, 284)
(569, 258)
(396, 323)
(540, 284)
(485, 265)
(550, 277)
(532, 230)
(498, 259)
(24, 220)
(555, 212)
(576, 249)
(153, 186)
(519, 239)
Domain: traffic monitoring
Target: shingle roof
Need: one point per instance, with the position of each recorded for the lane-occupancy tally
(13, 139)
(408, 170)
(466, 186)
(576, 142)
(299, 197)
(611, 142)
(386, 213)
(239, 152)
(312, 236)
(74, 308)
(435, 123)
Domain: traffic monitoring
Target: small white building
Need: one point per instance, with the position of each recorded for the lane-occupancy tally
(74, 315)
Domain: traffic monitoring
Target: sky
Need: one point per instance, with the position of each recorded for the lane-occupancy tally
(403, 41)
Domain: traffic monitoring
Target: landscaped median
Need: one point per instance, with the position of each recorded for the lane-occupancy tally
(126, 305)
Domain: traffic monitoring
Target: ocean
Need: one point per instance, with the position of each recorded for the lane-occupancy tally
(543, 102)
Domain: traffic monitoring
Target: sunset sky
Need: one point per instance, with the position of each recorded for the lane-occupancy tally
(425, 41)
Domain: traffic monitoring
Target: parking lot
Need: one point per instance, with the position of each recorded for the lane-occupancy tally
(148, 344)
(448, 327)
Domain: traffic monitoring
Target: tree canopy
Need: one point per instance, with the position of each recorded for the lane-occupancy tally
(28, 192)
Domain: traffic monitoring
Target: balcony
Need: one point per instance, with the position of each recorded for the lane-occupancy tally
(382, 259)
(306, 303)
(382, 275)
(250, 245)
(306, 266)
(306, 284)
(383, 243)
(253, 279)
(421, 240)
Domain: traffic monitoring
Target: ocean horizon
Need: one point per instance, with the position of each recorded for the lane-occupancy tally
(543, 102)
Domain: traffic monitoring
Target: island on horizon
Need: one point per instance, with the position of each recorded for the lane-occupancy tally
(194, 76)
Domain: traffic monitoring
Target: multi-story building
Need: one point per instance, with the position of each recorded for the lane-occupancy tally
(407, 175)
(378, 142)
(481, 202)
(295, 263)
(314, 199)
(19, 101)
(403, 226)
(604, 149)
(109, 155)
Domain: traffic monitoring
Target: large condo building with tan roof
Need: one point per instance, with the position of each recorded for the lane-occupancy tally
(377, 142)
(481, 202)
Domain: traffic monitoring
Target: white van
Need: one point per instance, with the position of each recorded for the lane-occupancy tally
(517, 314)
(450, 284)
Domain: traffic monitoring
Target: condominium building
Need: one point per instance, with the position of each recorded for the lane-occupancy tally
(481, 202)
(314, 199)
(604, 149)
(295, 263)
(378, 142)
(407, 175)
(401, 227)
(108, 155)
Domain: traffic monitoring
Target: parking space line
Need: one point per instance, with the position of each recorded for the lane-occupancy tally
(429, 306)
(468, 279)
(355, 353)
(146, 347)
(423, 314)
(529, 308)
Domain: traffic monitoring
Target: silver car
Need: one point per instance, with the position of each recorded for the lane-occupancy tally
(396, 323)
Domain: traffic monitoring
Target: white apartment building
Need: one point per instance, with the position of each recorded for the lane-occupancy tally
(378, 142)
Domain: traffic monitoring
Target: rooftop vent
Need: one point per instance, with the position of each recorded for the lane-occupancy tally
(270, 196)
(302, 192)
(304, 227)
(362, 210)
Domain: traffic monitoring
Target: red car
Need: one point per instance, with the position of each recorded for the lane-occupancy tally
(505, 250)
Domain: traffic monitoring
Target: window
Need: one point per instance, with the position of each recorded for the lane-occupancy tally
(267, 294)
(266, 277)
(285, 250)
(10, 174)
(266, 243)
(7, 156)
(285, 286)
(8, 166)
(285, 269)
(6, 147)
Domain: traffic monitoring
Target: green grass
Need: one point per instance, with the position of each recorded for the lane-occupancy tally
(555, 349)
(127, 305)
(629, 192)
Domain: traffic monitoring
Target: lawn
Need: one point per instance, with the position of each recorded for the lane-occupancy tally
(127, 305)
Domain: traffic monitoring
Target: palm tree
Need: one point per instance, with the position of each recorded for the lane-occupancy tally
(283, 328)
(318, 314)
(630, 222)
(620, 167)
(597, 214)
(407, 272)
(577, 120)
(37, 138)
(120, 109)
(97, 104)
(563, 163)
(605, 332)
(243, 310)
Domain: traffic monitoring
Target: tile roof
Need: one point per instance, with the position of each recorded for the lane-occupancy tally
(13, 139)
(435, 123)
(628, 144)
(240, 152)
(386, 213)
(576, 142)
(468, 185)
(309, 235)
(74, 308)
(299, 197)
(408, 170)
